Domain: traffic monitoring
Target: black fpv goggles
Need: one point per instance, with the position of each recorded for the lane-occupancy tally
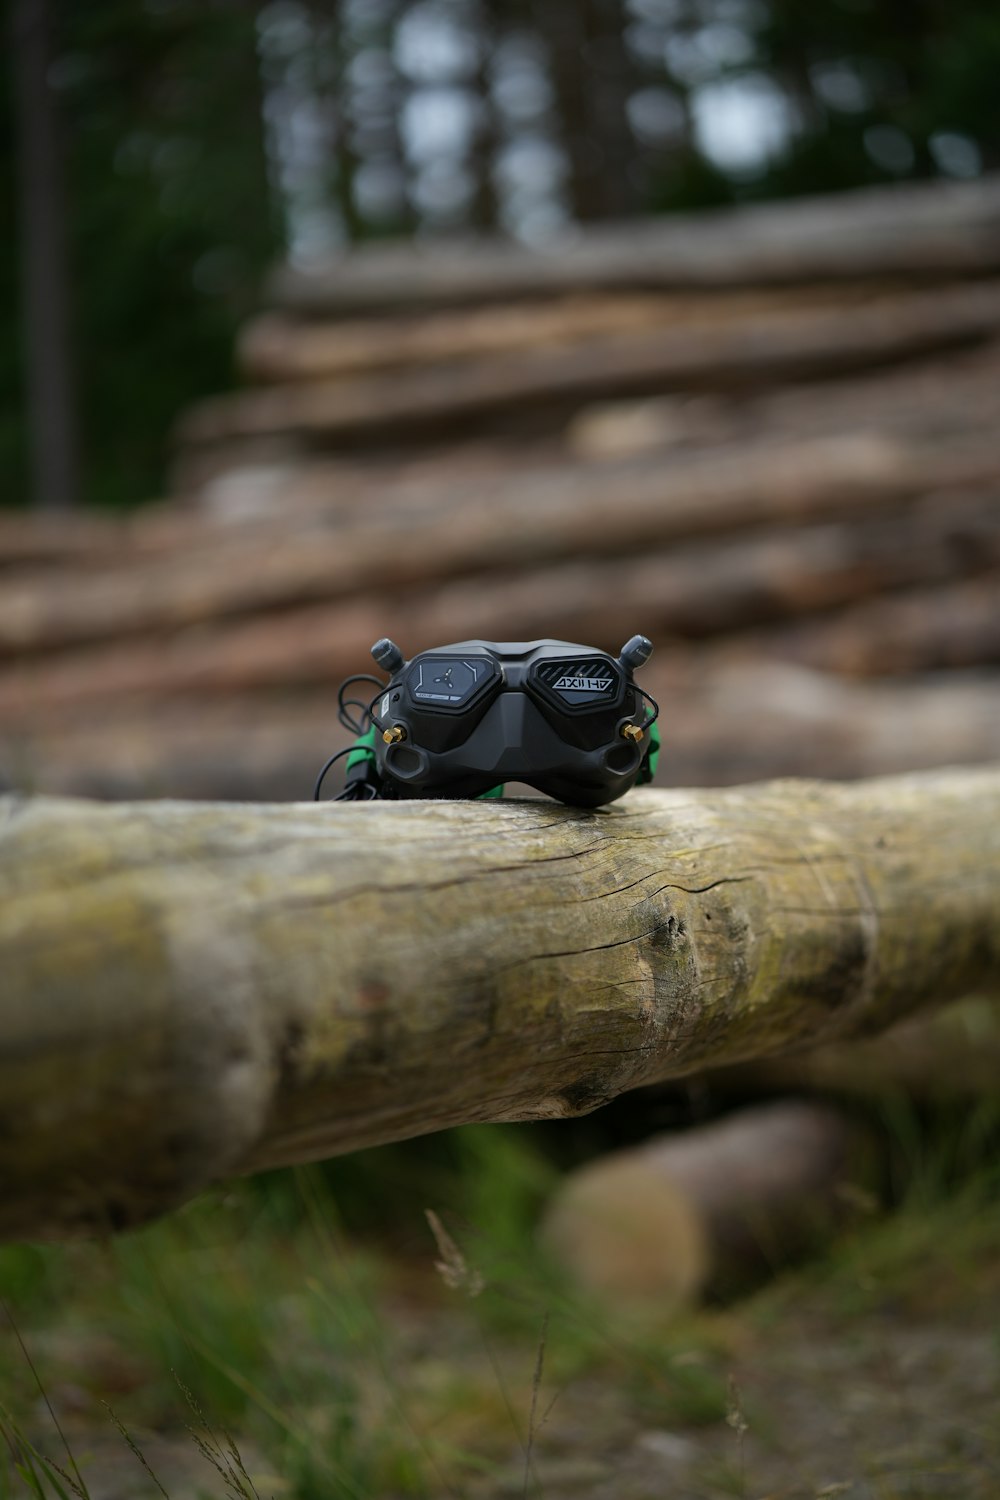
(460, 720)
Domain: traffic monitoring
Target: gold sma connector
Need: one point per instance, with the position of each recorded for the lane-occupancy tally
(631, 732)
(394, 735)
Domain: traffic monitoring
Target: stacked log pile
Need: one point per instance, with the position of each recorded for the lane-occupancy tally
(769, 439)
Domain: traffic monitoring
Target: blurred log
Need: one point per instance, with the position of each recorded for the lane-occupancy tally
(692, 591)
(651, 1228)
(944, 397)
(743, 718)
(340, 490)
(949, 396)
(191, 991)
(276, 347)
(921, 630)
(948, 399)
(952, 1054)
(42, 540)
(563, 514)
(752, 351)
(727, 718)
(539, 521)
(84, 540)
(731, 584)
(917, 231)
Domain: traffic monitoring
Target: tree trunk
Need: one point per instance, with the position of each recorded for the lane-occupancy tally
(44, 269)
(191, 991)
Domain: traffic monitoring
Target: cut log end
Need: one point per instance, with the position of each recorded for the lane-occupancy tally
(650, 1229)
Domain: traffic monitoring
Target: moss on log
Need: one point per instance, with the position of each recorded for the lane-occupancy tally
(189, 991)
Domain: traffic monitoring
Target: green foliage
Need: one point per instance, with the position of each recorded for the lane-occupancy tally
(170, 224)
(920, 70)
(40, 1477)
(171, 220)
(26, 1275)
(937, 1244)
(493, 1178)
(351, 1374)
(253, 1312)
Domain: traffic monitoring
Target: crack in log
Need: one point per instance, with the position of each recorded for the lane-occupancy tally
(638, 937)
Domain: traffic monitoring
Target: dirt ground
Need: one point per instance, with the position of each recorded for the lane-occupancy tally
(807, 1391)
(890, 1410)
(871, 1372)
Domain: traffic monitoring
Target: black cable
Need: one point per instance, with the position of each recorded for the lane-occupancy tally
(370, 710)
(357, 791)
(656, 708)
(332, 761)
(344, 704)
(356, 726)
(361, 791)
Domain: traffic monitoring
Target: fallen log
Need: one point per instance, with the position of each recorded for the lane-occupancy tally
(564, 512)
(764, 716)
(950, 395)
(951, 1055)
(917, 630)
(746, 353)
(690, 592)
(819, 426)
(191, 991)
(788, 575)
(651, 1228)
(729, 718)
(35, 540)
(916, 231)
(277, 347)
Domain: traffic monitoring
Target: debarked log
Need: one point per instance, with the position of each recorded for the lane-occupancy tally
(651, 1227)
(796, 583)
(277, 347)
(951, 1054)
(731, 718)
(558, 513)
(909, 630)
(770, 347)
(914, 230)
(190, 991)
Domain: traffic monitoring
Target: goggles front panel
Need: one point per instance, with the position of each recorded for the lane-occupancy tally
(546, 713)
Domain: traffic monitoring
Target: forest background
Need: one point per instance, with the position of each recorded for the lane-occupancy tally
(201, 143)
